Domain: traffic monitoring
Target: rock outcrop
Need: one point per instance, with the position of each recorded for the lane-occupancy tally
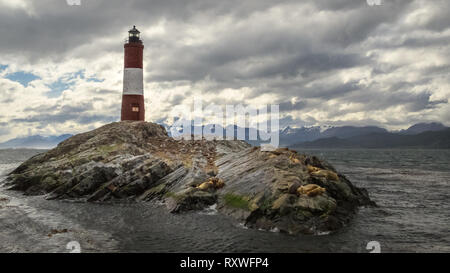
(137, 161)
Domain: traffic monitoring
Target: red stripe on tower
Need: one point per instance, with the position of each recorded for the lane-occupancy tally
(133, 107)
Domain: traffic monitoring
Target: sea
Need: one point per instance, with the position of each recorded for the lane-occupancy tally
(410, 187)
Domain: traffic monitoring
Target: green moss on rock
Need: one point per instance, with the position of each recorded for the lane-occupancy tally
(236, 201)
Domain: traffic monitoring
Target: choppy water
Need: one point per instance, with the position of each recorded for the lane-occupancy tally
(411, 187)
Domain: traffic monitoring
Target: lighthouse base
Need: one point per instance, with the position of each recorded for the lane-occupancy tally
(133, 108)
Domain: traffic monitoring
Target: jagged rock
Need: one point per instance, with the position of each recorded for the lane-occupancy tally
(190, 199)
(138, 161)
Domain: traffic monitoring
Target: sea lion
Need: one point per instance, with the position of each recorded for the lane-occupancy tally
(327, 174)
(294, 159)
(212, 182)
(312, 169)
(310, 190)
(205, 186)
(305, 189)
(316, 191)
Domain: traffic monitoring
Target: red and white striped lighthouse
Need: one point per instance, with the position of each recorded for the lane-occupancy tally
(133, 84)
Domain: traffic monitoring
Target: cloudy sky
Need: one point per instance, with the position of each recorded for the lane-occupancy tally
(325, 62)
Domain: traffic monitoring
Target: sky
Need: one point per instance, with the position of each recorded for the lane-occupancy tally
(340, 62)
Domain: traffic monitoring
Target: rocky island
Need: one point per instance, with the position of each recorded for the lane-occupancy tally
(137, 161)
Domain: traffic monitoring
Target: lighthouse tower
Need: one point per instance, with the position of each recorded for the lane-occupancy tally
(133, 86)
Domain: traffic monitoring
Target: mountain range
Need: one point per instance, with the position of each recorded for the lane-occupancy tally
(423, 127)
(352, 136)
(34, 142)
(421, 135)
(424, 140)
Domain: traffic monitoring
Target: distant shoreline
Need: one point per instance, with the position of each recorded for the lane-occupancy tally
(366, 148)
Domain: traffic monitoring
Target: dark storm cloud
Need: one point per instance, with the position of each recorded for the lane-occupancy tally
(291, 106)
(321, 90)
(413, 102)
(57, 27)
(177, 99)
(306, 65)
(3, 128)
(441, 19)
(59, 118)
(63, 109)
(49, 28)
(439, 70)
(218, 67)
(82, 114)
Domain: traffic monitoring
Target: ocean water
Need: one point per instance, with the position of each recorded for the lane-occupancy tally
(411, 187)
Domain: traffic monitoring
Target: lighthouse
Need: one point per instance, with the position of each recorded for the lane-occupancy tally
(133, 85)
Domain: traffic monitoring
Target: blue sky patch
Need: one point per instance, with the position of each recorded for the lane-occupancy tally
(67, 81)
(58, 87)
(95, 80)
(22, 77)
(82, 75)
(78, 74)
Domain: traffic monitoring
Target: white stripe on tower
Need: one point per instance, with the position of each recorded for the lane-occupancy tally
(133, 81)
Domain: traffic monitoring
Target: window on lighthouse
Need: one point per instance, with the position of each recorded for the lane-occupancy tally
(135, 109)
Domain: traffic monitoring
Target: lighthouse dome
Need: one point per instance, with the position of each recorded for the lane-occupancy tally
(134, 35)
(134, 30)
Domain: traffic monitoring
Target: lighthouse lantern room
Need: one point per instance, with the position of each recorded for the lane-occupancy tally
(133, 88)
